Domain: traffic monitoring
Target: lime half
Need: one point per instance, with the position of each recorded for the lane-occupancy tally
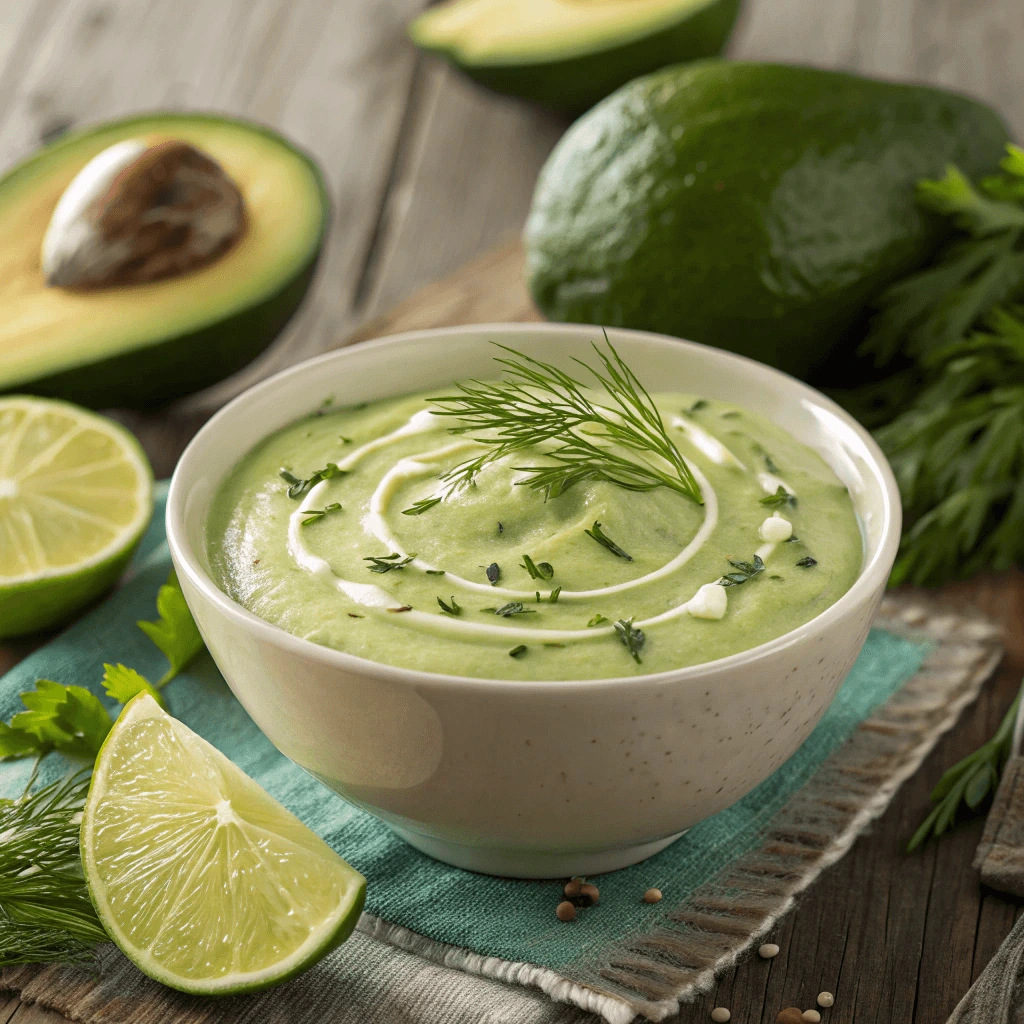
(207, 883)
(76, 494)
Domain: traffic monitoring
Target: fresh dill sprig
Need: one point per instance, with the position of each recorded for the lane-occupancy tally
(969, 781)
(743, 571)
(45, 911)
(313, 514)
(299, 488)
(537, 570)
(419, 507)
(387, 563)
(605, 541)
(632, 638)
(538, 403)
(779, 498)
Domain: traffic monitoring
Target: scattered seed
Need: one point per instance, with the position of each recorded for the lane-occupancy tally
(565, 911)
(768, 950)
(493, 572)
(590, 891)
(255, 561)
(812, 1017)
(352, 615)
(652, 896)
(404, 608)
(825, 999)
(790, 1015)
(720, 1015)
(573, 886)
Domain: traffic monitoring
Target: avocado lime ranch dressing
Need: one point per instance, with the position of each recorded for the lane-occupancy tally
(496, 581)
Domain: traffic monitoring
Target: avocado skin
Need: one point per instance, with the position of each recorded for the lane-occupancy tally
(574, 84)
(759, 208)
(148, 377)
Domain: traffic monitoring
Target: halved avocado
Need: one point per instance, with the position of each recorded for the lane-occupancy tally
(143, 344)
(568, 54)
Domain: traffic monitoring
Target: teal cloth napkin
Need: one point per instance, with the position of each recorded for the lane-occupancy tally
(510, 919)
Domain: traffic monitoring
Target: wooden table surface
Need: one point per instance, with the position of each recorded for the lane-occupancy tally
(426, 171)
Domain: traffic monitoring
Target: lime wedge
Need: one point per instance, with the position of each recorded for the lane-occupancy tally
(76, 494)
(207, 883)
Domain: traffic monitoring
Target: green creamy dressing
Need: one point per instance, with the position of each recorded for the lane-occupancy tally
(312, 575)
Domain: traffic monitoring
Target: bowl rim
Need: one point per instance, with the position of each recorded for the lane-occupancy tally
(872, 574)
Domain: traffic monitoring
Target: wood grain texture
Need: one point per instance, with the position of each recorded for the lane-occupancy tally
(427, 171)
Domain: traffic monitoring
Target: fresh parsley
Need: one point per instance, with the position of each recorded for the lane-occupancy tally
(538, 570)
(387, 563)
(299, 488)
(313, 514)
(744, 571)
(806, 562)
(450, 609)
(605, 541)
(632, 638)
(175, 632)
(597, 620)
(779, 498)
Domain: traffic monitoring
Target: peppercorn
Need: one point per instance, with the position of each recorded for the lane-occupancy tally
(790, 1015)
(565, 911)
(573, 886)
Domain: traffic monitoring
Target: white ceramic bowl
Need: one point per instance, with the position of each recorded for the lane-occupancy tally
(533, 779)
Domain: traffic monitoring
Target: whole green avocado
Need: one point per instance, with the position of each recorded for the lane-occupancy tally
(759, 208)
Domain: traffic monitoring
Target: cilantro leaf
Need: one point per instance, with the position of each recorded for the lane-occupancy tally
(123, 683)
(175, 632)
(68, 719)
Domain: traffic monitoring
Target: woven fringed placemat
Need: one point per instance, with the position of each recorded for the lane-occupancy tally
(388, 973)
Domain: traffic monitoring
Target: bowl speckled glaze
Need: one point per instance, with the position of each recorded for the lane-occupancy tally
(533, 779)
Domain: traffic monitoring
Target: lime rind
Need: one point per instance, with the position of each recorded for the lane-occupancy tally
(203, 880)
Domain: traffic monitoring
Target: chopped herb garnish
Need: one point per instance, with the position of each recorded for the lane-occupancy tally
(744, 571)
(631, 637)
(775, 576)
(793, 539)
(501, 529)
(434, 572)
(387, 563)
(419, 507)
(597, 620)
(404, 608)
(730, 415)
(344, 440)
(506, 611)
(604, 540)
(537, 571)
(548, 644)
(298, 488)
(553, 596)
(769, 464)
(604, 439)
(518, 652)
(779, 498)
(313, 514)
(807, 562)
(450, 609)
(701, 403)
(352, 615)
(493, 572)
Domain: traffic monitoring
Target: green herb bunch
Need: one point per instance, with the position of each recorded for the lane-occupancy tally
(955, 418)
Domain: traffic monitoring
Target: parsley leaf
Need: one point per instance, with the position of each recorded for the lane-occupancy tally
(538, 570)
(68, 719)
(387, 563)
(299, 488)
(123, 683)
(175, 632)
(632, 638)
(744, 571)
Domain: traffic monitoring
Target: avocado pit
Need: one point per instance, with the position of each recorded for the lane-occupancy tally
(140, 212)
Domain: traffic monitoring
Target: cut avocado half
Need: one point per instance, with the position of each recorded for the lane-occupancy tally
(568, 54)
(144, 344)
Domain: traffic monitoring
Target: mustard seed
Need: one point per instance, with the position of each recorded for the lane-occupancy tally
(720, 1015)
(652, 896)
(573, 886)
(565, 911)
(790, 1015)
(590, 891)
(825, 999)
(768, 950)
(811, 1017)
